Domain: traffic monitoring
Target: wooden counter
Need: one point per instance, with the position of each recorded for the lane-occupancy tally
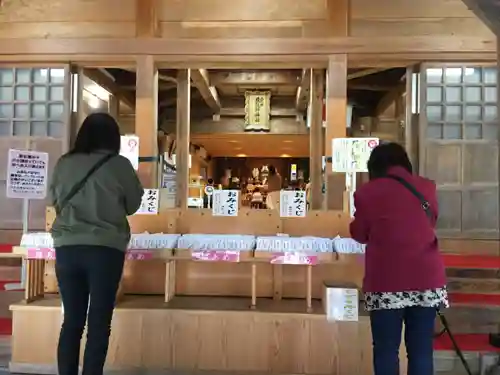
(204, 333)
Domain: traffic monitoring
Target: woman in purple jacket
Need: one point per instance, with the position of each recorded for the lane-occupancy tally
(396, 214)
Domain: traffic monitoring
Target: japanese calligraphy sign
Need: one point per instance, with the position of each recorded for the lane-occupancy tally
(342, 304)
(129, 148)
(257, 110)
(27, 174)
(150, 202)
(225, 202)
(292, 203)
(352, 154)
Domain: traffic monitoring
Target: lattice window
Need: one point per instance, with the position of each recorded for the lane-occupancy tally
(459, 147)
(32, 102)
(462, 103)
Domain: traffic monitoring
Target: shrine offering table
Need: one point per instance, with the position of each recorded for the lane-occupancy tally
(204, 333)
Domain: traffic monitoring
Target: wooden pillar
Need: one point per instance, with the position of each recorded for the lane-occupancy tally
(146, 119)
(183, 135)
(336, 123)
(114, 107)
(316, 143)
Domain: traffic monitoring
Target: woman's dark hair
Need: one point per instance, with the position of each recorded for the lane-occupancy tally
(385, 156)
(272, 170)
(256, 190)
(99, 131)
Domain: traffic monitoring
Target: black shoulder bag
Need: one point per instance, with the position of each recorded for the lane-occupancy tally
(423, 202)
(59, 206)
(446, 326)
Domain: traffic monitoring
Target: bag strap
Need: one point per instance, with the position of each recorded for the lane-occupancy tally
(423, 202)
(75, 189)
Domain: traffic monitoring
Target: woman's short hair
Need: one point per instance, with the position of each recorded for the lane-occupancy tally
(99, 131)
(272, 170)
(386, 156)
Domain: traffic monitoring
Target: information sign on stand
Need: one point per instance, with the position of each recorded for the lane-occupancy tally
(129, 148)
(168, 182)
(27, 174)
(225, 203)
(350, 156)
(292, 203)
(150, 202)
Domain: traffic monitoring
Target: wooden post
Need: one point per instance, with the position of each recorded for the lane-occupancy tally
(254, 286)
(146, 118)
(183, 135)
(114, 107)
(336, 118)
(309, 288)
(316, 141)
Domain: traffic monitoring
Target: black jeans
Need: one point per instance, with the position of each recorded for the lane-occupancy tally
(86, 273)
(387, 326)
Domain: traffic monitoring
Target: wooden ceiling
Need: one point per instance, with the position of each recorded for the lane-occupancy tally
(222, 91)
(253, 145)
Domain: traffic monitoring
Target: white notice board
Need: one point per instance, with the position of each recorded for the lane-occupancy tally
(150, 202)
(129, 148)
(27, 174)
(292, 203)
(225, 202)
(352, 154)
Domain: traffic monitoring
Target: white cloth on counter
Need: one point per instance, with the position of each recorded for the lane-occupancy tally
(37, 239)
(154, 241)
(348, 246)
(217, 242)
(290, 244)
(137, 241)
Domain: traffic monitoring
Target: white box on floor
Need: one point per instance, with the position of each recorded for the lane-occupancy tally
(341, 303)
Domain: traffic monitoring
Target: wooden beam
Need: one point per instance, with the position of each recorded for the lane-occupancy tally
(183, 136)
(108, 84)
(196, 49)
(355, 86)
(275, 112)
(365, 72)
(336, 115)
(146, 118)
(147, 24)
(316, 138)
(255, 79)
(389, 98)
(488, 11)
(302, 97)
(209, 93)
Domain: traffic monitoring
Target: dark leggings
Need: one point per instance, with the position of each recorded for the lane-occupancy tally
(387, 327)
(86, 274)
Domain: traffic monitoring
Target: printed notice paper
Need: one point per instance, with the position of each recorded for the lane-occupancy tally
(150, 202)
(27, 174)
(352, 154)
(292, 203)
(225, 202)
(129, 148)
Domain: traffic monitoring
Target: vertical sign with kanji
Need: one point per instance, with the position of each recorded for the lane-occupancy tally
(225, 202)
(27, 174)
(292, 203)
(150, 202)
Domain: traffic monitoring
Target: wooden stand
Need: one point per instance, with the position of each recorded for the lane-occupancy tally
(252, 317)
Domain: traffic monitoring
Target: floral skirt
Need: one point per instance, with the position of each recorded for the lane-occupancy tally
(399, 300)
